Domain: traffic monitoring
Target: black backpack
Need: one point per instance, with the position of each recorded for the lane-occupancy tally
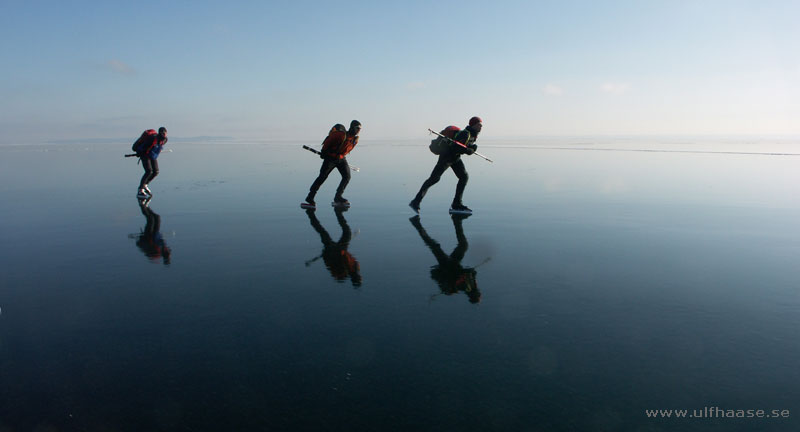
(439, 144)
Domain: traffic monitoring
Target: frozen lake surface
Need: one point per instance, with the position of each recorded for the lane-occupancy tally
(595, 281)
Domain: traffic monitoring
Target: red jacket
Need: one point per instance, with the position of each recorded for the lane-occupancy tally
(338, 144)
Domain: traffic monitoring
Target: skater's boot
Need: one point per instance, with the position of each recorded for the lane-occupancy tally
(341, 201)
(309, 202)
(457, 207)
(414, 204)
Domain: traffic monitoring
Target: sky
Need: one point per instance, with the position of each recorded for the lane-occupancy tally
(289, 70)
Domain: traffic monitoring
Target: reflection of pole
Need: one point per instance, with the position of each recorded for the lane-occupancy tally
(483, 262)
(312, 260)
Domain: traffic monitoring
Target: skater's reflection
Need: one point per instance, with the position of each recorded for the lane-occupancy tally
(451, 276)
(338, 260)
(149, 240)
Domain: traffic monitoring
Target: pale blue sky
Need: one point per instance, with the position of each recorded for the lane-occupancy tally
(282, 70)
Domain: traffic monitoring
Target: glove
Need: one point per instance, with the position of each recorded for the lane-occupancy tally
(471, 149)
(322, 156)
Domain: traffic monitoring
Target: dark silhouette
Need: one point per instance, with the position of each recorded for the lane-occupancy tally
(148, 147)
(338, 144)
(338, 260)
(149, 240)
(451, 276)
(451, 158)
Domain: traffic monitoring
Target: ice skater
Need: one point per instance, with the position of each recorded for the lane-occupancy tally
(147, 148)
(335, 148)
(451, 158)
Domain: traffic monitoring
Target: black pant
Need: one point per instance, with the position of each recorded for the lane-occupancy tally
(442, 164)
(328, 164)
(150, 171)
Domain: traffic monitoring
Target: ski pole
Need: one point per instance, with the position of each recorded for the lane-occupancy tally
(134, 154)
(462, 145)
(354, 168)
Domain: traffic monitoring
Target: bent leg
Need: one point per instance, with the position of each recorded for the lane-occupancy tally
(147, 164)
(153, 170)
(461, 172)
(324, 171)
(436, 174)
(344, 170)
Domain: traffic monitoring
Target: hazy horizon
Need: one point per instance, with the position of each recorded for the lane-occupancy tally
(421, 139)
(259, 71)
